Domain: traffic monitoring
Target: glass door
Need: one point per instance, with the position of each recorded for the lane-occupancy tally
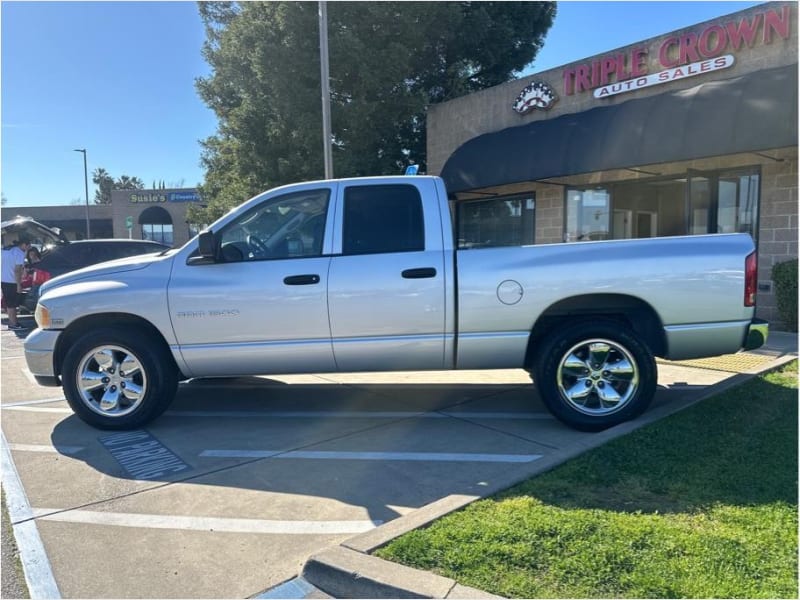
(723, 202)
(702, 203)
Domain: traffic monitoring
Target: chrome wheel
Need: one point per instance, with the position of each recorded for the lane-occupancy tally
(111, 381)
(597, 377)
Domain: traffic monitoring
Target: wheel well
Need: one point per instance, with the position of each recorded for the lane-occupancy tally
(633, 312)
(84, 324)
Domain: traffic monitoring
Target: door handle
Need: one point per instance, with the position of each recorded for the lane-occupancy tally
(301, 280)
(423, 273)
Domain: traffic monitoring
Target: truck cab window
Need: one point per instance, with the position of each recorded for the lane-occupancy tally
(288, 226)
(382, 218)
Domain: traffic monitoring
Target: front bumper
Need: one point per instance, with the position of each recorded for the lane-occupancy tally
(40, 348)
(757, 334)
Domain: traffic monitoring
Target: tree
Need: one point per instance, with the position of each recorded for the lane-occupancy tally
(124, 182)
(106, 183)
(388, 61)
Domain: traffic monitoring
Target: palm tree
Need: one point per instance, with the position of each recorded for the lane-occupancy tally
(128, 183)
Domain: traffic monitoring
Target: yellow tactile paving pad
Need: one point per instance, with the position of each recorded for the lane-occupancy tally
(742, 362)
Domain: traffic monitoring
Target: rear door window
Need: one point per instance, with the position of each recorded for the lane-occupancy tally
(382, 218)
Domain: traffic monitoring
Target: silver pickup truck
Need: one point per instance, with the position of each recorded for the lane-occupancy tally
(364, 275)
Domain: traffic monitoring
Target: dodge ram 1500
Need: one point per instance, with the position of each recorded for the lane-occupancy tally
(364, 275)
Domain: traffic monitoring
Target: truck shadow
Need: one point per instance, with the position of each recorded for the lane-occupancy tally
(245, 433)
(356, 443)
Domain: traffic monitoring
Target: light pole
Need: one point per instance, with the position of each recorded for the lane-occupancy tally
(326, 94)
(86, 188)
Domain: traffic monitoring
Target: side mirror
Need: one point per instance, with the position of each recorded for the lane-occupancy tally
(207, 244)
(206, 249)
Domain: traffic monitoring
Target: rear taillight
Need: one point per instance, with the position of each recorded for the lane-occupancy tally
(750, 279)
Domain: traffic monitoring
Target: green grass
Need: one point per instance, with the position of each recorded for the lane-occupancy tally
(701, 504)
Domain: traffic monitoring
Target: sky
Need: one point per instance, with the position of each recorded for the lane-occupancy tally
(117, 79)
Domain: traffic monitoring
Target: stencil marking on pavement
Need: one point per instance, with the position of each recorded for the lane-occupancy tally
(142, 456)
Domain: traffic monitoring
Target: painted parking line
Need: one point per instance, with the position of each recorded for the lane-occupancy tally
(332, 414)
(46, 448)
(64, 410)
(216, 524)
(35, 564)
(33, 402)
(29, 376)
(302, 414)
(396, 456)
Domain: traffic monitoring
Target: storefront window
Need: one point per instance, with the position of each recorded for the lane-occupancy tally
(588, 215)
(157, 232)
(502, 221)
(695, 204)
(156, 225)
(738, 204)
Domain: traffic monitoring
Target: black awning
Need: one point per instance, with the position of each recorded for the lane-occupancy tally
(749, 113)
(155, 215)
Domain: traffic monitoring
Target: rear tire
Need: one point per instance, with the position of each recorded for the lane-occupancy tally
(118, 378)
(595, 374)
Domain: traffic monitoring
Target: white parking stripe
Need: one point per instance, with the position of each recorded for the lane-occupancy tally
(46, 448)
(38, 409)
(36, 566)
(32, 402)
(400, 456)
(205, 523)
(331, 414)
(303, 414)
(29, 376)
(499, 415)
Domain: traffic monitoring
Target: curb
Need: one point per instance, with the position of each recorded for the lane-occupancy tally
(350, 571)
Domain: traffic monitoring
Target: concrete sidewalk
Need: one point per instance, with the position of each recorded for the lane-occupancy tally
(349, 571)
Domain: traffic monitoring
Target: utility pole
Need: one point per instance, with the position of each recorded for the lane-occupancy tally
(326, 92)
(85, 188)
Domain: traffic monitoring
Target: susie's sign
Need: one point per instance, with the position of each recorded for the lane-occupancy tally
(679, 56)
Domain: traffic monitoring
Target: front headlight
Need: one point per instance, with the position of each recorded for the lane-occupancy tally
(42, 316)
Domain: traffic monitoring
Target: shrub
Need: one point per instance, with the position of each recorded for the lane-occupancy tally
(784, 275)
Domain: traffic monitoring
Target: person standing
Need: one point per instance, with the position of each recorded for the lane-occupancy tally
(13, 262)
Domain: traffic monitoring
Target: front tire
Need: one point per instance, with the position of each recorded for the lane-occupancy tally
(118, 378)
(596, 374)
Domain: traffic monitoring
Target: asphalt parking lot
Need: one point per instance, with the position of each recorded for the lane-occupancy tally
(230, 492)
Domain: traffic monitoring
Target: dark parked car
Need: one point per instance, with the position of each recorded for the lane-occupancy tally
(59, 255)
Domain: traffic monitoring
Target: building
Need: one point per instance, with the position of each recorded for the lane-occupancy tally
(691, 132)
(71, 219)
(158, 215)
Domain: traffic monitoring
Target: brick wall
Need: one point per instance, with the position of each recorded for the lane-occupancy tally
(778, 233)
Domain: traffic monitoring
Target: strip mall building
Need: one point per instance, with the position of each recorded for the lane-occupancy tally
(691, 132)
(159, 215)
